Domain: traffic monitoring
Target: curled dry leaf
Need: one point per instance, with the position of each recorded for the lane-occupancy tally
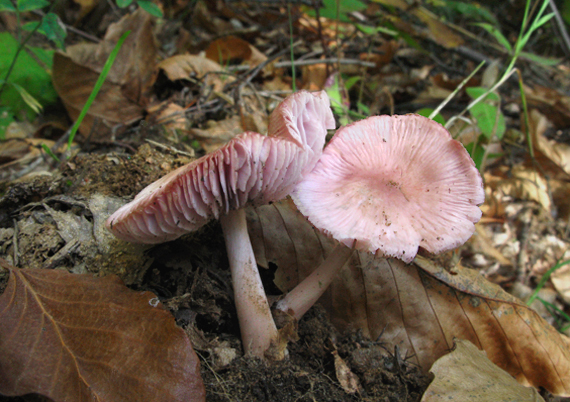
(186, 66)
(420, 307)
(79, 338)
(555, 156)
(231, 48)
(466, 374)
(123, 94)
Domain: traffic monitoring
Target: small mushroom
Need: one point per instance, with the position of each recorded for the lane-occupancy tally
(250, 169)
(387, 185)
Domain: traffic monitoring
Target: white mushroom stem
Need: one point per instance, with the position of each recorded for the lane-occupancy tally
(256, 322)
(299, 300)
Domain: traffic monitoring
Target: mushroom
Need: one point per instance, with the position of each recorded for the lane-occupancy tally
(249, 169)
(387, 185)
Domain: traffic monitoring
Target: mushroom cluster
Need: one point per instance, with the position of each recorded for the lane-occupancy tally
(387, 185)
(250, 169)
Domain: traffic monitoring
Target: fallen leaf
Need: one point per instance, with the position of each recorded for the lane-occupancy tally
(186, 66)
(78, 338)
(123, 94)
(519, 182)
(466, 374)
(231, 48)
(347, 379)
(551, 103)
(553, 155)
(420, 307)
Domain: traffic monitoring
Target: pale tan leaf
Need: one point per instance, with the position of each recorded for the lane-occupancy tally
(419, 307)
(466, 374)
(347, 379)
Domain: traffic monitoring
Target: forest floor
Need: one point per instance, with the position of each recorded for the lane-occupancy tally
(158, 112)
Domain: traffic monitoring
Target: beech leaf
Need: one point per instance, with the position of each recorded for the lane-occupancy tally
(466, 374)
(78, 338)
(420, 307)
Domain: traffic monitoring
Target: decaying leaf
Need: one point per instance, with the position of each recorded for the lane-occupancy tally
(78, 338)
(347, 379)
(518, 182)
(188, 67)
(554, 154)
(231, 48)
(466, 374)
(122, 96)
(420, 307)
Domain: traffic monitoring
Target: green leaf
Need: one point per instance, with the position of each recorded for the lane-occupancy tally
(475, 92)
(28, 74)
(349, 82)
(150, 8)
(497, 34)
(426, 112)
(6, 5)
(29, 5)
(472, 10)
(542, 21)
(48, 151)
(124, 3)
(487, 118)
(476, 154)
(329, 9)
(51, 27)
(29, 99)
(545, 61)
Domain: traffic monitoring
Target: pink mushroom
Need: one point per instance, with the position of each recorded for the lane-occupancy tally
(387, 185)
(250, 169)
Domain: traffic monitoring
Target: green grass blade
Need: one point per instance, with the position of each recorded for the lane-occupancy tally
(97, 87)
(544, 279)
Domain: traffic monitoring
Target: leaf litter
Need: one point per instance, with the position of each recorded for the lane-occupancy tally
(51, 219)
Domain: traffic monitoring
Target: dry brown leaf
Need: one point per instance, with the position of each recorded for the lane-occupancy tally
(314, 77)
(186, 66)
(550, 102)
(519, 182)
(467, 375)
(217, 133)
(553, 154)
(231, 48)
(78, 338)
(123, 95)
(420, 310)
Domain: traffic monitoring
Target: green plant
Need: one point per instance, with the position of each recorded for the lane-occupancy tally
(25, 84)
(148, 6)
(484, 107)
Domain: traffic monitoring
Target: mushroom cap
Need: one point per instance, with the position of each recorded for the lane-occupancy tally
(251, 168)
(391, 184)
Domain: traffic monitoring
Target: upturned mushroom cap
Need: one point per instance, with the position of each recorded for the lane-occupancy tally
(392, 184)
(251, 168)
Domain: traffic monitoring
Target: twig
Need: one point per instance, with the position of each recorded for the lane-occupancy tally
(54, 260)
(170, 148)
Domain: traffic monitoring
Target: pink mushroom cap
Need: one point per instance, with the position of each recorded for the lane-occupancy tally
(391, 184)
(251, 168)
